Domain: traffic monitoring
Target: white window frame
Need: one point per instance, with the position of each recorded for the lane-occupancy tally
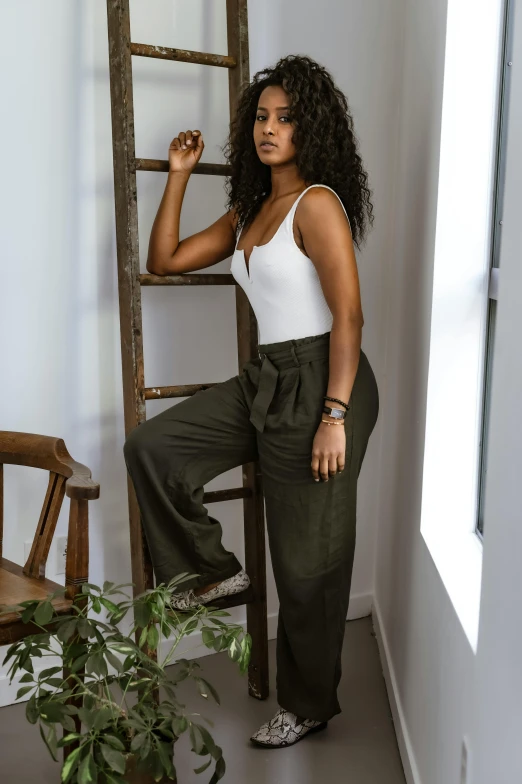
(460, 301)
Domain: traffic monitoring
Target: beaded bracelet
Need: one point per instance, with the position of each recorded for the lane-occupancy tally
(336, 400)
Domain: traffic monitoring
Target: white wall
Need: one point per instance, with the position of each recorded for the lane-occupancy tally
(60, 325)
(440, 690)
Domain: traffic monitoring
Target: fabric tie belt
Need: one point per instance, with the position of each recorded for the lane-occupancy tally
(275, 359)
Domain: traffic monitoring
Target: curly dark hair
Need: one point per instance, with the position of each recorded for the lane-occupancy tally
(326, 146)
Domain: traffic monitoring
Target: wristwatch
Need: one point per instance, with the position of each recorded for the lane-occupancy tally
(336, 413)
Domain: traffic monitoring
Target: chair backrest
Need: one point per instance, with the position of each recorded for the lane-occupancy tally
(47, 452)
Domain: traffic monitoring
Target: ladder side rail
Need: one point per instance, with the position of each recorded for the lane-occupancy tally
(127, 244)
(253, 505)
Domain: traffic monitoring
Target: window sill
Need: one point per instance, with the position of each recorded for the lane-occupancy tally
(458, 559)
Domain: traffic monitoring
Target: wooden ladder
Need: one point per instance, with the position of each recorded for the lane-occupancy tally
(130, 281)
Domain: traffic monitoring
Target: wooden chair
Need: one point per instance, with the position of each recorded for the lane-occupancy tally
(66, 476)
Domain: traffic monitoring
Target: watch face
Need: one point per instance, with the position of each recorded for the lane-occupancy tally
(334, 412)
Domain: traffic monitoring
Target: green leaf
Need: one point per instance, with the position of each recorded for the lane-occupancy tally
(179, 725)
(115, 742)
(191, 625)
(87, 773)
(66, 630)
(143, 637)
(196, 738)
(22, 691)
(102, 718)
(29, 611)
(113, 758)
(68, 738)
(76, 649)
(27, 665)
(48, 672)
(122, 648)
(88, 587)
(165, 628)
(234, 650)
(53, 744)
(213, 749)
(114, 779)
(142, 614)
(220, 642)
(165, 754)
(96, 664)
(145, 749)
(85, 628)
(219, 771)
(96, 605)
(211, 689)
(156, 768)
(52, 711)
(70, 764)
(79, 662)
(153, 637)
(31, 711)
(207, 635)
(138, 741)
(56, 683)
(113, 608)
(136, 724)
(203, 767)
(134, 684)
(87, 717)
(12, 650)
(44, 613)
(67, 723)
(50, 742)
(112, 659)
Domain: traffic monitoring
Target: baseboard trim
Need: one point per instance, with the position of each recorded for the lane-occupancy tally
(409, 763)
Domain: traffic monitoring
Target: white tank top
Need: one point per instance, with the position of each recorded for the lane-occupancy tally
(282, 284)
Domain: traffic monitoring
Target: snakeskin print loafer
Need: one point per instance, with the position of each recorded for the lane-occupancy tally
(184, 600)
(284, 730)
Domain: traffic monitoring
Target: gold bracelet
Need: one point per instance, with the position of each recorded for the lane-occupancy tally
(332, 423)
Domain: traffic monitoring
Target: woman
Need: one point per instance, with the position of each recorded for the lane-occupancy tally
(305, 407)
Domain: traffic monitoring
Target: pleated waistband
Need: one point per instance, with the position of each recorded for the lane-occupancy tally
(279, 356)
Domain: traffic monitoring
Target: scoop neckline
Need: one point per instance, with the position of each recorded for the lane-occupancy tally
(264, 245)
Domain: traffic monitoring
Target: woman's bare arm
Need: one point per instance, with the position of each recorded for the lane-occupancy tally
(328, 242)
(168, 255)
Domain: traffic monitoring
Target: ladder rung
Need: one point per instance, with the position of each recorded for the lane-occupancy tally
(157, 165)
(180, 390)
(212, 496)
(200, 279)
(183, 55)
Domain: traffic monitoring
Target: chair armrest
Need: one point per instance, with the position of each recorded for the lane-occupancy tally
(50, 453)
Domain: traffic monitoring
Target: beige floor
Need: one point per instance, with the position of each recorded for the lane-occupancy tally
(358, 746)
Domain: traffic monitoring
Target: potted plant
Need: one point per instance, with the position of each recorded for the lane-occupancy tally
(116, 728)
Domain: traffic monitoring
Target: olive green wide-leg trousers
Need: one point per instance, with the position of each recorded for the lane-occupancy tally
(271, 412)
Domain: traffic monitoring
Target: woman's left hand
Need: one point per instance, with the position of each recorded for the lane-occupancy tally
(328, 451)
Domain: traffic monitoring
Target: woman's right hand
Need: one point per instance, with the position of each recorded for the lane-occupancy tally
(185, 151)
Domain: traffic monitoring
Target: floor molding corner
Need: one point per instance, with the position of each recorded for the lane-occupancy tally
(409, 763)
